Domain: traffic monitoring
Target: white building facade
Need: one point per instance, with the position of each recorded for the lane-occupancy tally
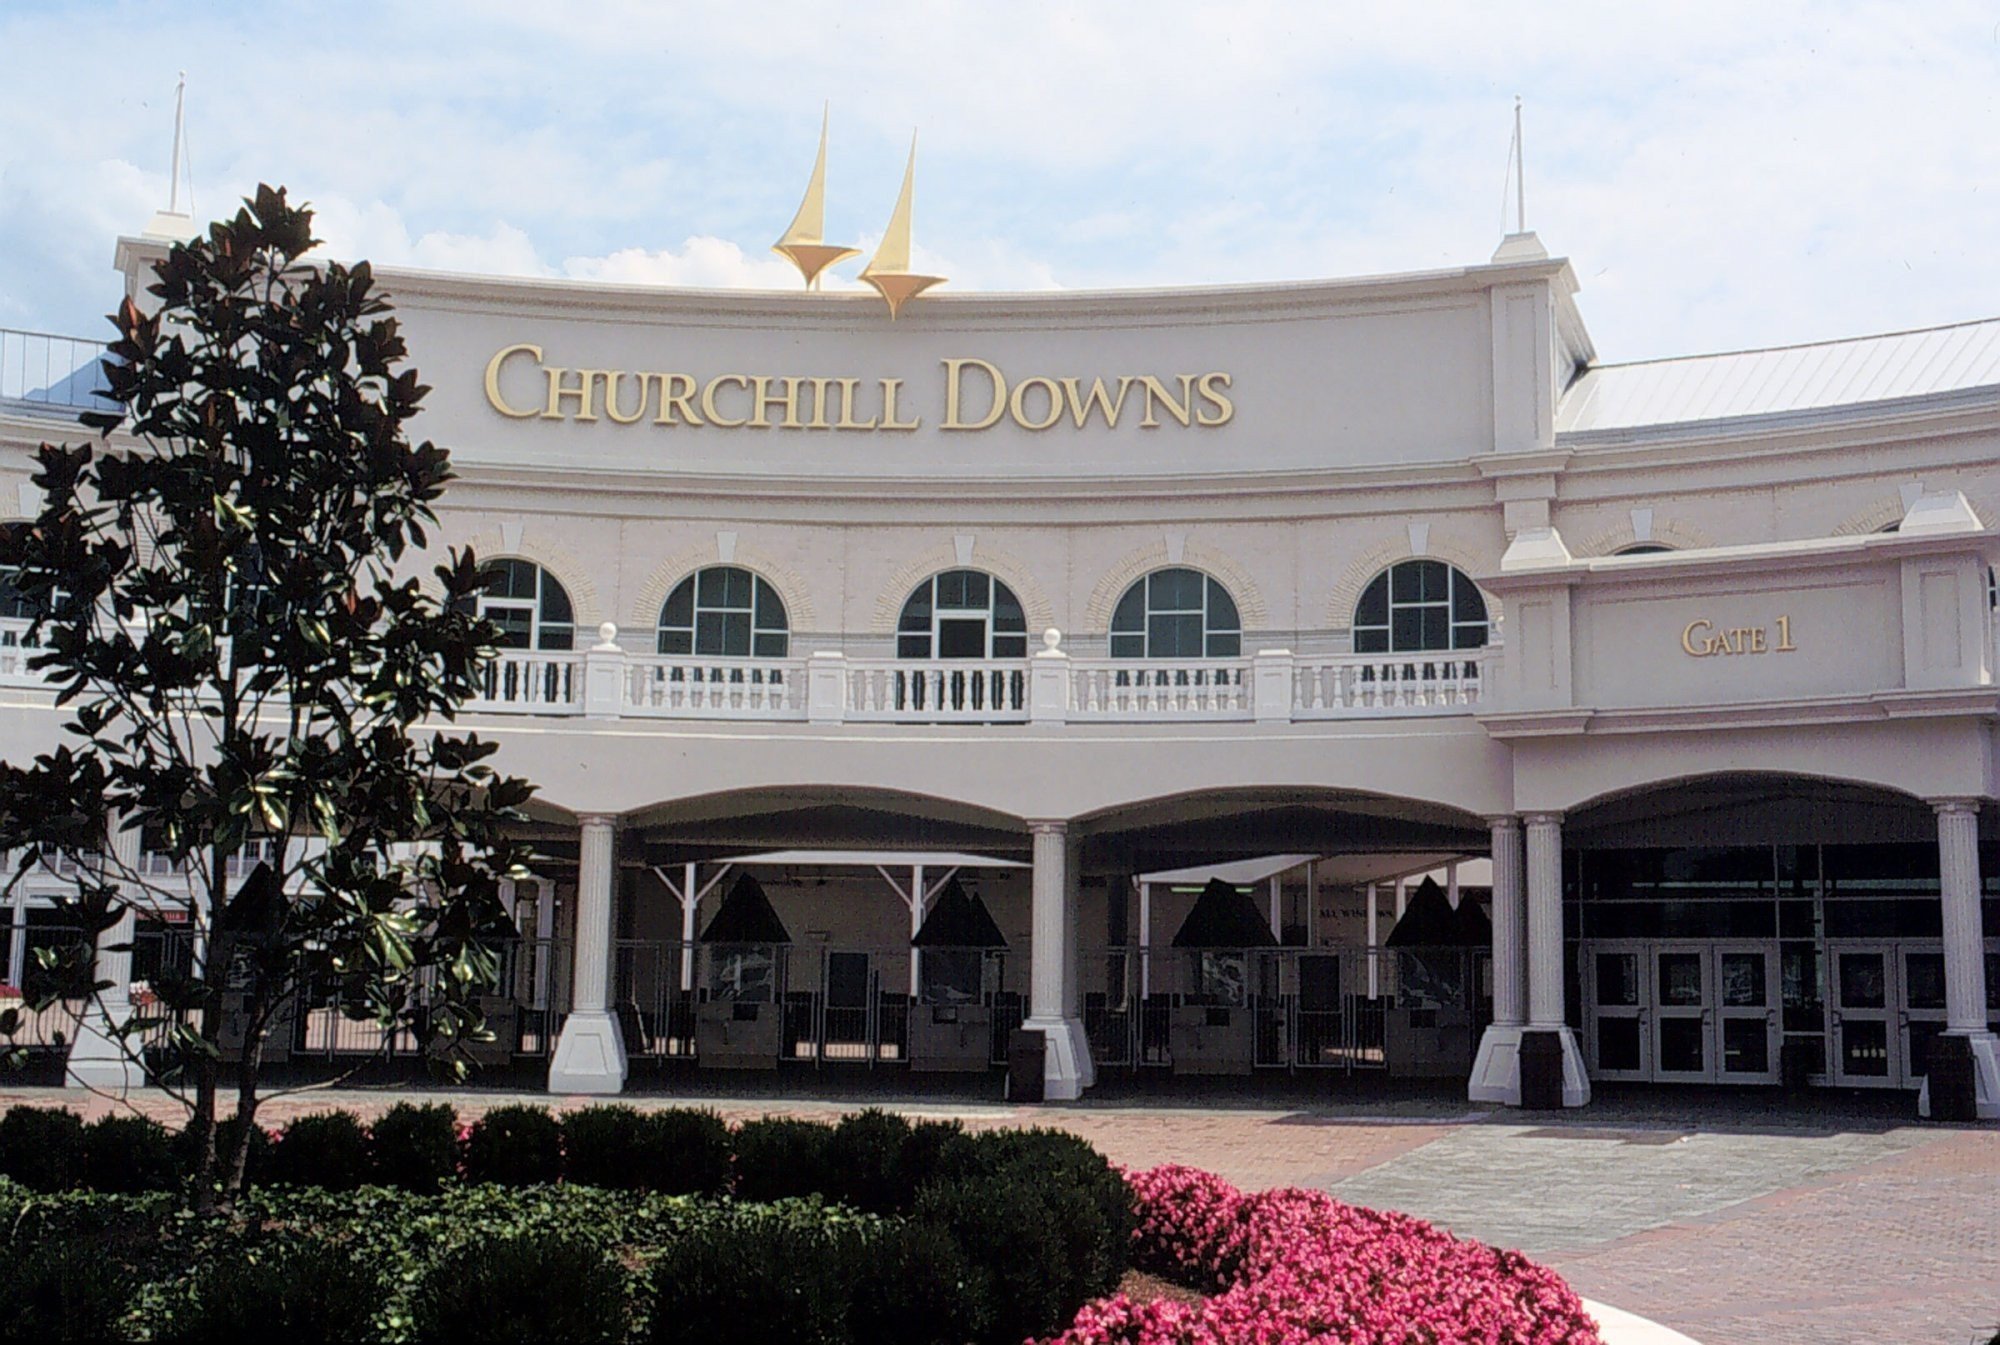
(1075, 600)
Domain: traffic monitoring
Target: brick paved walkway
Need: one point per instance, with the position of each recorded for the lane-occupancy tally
(1738, 1224)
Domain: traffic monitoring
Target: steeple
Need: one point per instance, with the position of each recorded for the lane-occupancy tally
(889, 269)
(803, 244)
(174, 224)
(1521, 245)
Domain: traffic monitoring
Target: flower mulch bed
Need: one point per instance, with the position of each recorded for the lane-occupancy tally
(1143, 1288)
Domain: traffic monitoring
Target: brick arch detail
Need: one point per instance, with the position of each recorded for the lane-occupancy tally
(1251, 609)
(652, 594)
(1875, 517)
(1009, 570)
(1339, 611)
(1673, 532)
(559, 561)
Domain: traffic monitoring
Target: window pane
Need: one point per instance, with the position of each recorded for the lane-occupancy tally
(515, 623)
(555, 602)
(1469, 637)
(1466, 603)
(676, 642)
(1131, 613)
(770, 608)
(724, 634)
(1128, 646)
(1221, 609)
(917, 611)
(1373, 609)
(1176, 591)
(772, 644)
(1407, 630)
(1437, 628)
(1225, 645)
(516, 579)
(1007, 609)
(1010, 646)
(1371, 640)
(1406, 582)
(1175, 637)
(556, 637)
(678, 610)
(913, 646)
(976, 587)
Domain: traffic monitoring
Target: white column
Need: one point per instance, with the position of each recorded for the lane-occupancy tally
(1965, 950)
(1374, 977)
(1545, 948)
(1073, 957)
(98, 1058)
(1402, 896)
(1312, 903)
(1277, 915)
(916, 923)
(1451, 894)
(1496, 1072)
(690, 904)
(1145, 939)
(590, 1055)
(1049, 958)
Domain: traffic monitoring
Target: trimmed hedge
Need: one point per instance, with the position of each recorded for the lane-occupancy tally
(129, 1154)
(327, 1149)
(778, 1156)
(515, 1146)
(522, 1289)
(414, 1147)
(303, 1291)
(42, 1148)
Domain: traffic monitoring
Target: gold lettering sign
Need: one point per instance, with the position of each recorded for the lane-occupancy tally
(1702, 638)
(977, 396)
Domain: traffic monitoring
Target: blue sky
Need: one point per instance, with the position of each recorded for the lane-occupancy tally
(1722, 175)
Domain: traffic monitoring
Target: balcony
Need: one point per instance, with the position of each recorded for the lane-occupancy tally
(44, 370)
(1050, 688)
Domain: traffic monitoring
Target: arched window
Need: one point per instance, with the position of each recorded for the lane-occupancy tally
(532, 609)
(1418, 605)
(724, 611)
(962, 614)
(1176, 614)
(1642, 549)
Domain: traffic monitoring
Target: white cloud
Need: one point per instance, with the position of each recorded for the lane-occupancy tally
(699, 263)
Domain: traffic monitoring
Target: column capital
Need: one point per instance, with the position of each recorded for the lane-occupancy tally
(1948, 806)
(1502, 822)
(1048, 826)
(1542, 819)
(588, 820)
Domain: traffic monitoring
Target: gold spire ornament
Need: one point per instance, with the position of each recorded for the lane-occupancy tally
(889, 269)
(803, 244)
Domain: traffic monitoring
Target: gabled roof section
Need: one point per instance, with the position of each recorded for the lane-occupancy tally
(1825, 374)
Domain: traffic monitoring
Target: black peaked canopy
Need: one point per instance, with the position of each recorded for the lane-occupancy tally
(958, 919)
(745, 916)
(1430, 922)
(1224, 917)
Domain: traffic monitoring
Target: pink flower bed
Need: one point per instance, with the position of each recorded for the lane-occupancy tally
(1291, 1267)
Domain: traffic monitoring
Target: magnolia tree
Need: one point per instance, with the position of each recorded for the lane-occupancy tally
(255, 682)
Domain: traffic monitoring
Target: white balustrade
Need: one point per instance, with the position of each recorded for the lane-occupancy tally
(532, 681)
(16, 648)
(977, 691)
(1340, 686)
(1143, 689)
(670, 686)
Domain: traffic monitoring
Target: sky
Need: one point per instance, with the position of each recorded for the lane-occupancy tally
(1722, 175)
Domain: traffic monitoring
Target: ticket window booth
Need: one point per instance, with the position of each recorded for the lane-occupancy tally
(739, 1021)
(960, 953)
(1211, 1029)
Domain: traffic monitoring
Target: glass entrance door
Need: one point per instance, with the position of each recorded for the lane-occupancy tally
(1620, 1000)
(1922, 1017)
(1683, 994)
(1746, 1015)
(1867, 1048)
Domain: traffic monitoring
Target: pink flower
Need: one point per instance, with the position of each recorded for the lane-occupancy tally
(1293, 1267)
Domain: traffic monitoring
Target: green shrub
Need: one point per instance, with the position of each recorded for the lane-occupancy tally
(865, 1162)
(763, 1279)
(61, 1289)
(937, 1151)
(916, 1286)
(256, 1163)
(128, 1154)
(327, 1150)
(42, 1147)
(688, 1151)
(414, 1148)
(779, 1156)
(606, 1146)
(531, 1289)
(515, 1146)
(305, 1291)
(1016, 1253)
(1088, 1200)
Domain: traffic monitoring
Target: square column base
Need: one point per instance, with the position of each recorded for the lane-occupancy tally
(97, 1060)
(1551, 1069)
(1066, 1068)
(590, 1056)
(1981, 1052)
(1496, 1069)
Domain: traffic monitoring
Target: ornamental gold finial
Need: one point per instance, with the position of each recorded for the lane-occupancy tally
(889, 269)
(803, 244)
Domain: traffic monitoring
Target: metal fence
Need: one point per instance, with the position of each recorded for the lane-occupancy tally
(52, 370)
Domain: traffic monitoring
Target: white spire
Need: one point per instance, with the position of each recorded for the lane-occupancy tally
(174, 224)
(1520, 245)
